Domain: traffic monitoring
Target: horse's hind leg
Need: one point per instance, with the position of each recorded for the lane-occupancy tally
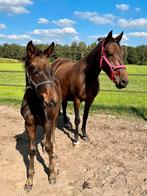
(65, 118)
(30, 128)
(77, 120)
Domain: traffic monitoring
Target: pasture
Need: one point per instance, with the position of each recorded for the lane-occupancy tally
(130, 102)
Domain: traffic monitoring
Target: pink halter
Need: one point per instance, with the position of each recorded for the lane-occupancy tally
(112, 67)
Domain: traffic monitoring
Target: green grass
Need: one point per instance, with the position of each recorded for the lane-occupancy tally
(124, 103)
(6, 60)
(11, 66)
(108, 102)
(11, 95)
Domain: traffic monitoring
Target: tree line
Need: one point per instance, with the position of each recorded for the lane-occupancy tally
(75, 51)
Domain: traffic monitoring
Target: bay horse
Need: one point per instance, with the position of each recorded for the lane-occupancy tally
(79, 80)
(40, 105)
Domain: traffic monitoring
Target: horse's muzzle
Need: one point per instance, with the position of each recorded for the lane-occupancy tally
(122, 84)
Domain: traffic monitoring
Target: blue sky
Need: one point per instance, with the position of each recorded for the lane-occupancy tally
(65, 21)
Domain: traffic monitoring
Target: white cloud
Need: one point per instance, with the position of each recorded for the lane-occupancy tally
(95, 17)
(55, 32)
(137, 9)
(122, 7)
(64, 22)
(2, 26)
(43, 21)
(15, 37)
(37, 41)
(137, 23)
(58, 35)
(14, 6)
(75, 39)
(138, 34)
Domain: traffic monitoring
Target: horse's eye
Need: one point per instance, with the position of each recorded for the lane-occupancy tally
(109, 54)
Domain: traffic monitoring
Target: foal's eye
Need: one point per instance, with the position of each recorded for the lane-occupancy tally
(35, 72)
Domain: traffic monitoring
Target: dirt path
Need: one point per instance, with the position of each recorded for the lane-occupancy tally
(114, 162)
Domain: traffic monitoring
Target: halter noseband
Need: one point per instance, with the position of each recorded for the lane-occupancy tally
(31, 81)
(112, 67)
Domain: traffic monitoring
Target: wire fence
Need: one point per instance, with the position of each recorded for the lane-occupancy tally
(16, 79)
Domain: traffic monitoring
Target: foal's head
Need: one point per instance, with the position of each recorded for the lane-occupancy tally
(37, 69)
(112, 60)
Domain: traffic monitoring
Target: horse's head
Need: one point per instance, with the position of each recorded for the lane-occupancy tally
(37, 70)
(112, 60)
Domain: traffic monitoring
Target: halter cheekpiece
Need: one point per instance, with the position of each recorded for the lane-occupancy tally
(112, 67)
(36, 85)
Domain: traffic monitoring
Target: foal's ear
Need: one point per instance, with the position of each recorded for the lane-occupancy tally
(119, 37)
(108, 38)
(30, 49)
(49, 50)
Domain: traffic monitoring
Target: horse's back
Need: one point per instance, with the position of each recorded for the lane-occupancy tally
(71, 77)
(63, 69)
(62, 64)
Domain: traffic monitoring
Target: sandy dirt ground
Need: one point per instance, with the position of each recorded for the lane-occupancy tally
(113, 163)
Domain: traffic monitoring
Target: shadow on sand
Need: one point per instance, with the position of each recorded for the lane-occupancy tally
(22, 143)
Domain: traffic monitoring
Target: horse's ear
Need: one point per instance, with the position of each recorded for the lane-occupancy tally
(119, 37)
(100, 39)
(49, 50)
(108, 38)
(30, 49)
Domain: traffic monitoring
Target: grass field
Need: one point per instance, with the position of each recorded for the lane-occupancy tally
(111, 102)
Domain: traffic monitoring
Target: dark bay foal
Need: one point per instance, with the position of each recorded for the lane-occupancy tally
(79, 80)
(40, 105)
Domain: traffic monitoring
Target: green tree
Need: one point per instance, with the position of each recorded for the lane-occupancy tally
(74, 51)
(132, 55)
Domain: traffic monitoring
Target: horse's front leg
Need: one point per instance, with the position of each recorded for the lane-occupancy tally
(85, 117)
(77, 119)
(31, 131)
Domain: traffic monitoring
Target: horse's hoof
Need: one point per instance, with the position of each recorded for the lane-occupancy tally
(68, 126)
(52, 180)
(28, 187)
(86, 138)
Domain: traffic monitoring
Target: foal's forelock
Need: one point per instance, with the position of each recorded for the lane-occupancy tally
(38, 72)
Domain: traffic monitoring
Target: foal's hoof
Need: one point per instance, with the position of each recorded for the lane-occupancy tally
(52, 180)
(86, 138)
(28, 187)
(55, 156)
(76, 143)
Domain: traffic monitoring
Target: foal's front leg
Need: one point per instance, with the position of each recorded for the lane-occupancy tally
(49, 129)
(30, 128)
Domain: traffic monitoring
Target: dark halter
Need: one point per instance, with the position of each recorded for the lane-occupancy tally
(36, 85)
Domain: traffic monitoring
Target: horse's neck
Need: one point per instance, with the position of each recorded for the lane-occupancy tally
(92, 61)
